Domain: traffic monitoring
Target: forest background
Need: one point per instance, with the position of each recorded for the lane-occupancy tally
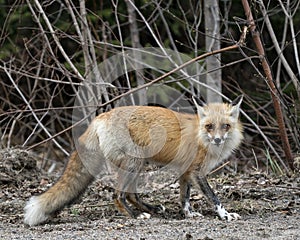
(48, 49)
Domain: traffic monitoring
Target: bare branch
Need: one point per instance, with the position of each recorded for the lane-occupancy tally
(33, 113)
(235, 46)
(293, 77)
(273, 90)
(53, 34)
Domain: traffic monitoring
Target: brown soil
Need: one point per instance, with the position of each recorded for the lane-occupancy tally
(269, 206)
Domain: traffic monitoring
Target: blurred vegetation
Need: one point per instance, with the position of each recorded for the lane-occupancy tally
(24, 51)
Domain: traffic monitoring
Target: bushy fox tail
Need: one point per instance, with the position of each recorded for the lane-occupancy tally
(72, 183)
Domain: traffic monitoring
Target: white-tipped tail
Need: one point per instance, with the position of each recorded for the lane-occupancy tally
(34, 213)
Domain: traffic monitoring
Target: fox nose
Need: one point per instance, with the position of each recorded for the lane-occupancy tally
(217, 141)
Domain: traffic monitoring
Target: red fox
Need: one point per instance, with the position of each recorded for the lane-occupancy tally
(131, 136)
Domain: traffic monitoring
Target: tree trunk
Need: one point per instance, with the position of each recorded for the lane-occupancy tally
(212, 42)
(135, 41)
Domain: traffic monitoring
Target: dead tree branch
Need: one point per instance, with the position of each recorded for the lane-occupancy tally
(271, 85)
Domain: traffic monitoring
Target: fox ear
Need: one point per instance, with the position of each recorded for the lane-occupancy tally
(200, 104)
(235, 106)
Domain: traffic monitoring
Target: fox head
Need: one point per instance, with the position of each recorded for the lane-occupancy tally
(218, 121)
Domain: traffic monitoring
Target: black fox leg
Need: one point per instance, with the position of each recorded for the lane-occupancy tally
(134, 198)
(185, 192)
(121, 204)
(209, 193)
(126, 180)
(128, 176)
(137, 202)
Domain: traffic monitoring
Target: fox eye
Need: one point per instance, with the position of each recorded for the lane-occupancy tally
(225, 126)
(209, 126)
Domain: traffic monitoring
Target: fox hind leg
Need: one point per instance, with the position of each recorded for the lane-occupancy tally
(127, 180)
(134, 198)
(120, 197)
(121, 204)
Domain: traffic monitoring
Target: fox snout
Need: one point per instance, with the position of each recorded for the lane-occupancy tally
(217, 139)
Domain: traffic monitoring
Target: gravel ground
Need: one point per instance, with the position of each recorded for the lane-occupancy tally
(269, 206)
(273, 226)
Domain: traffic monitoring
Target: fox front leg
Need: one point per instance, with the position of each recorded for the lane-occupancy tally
(185, 191)
(209, 193)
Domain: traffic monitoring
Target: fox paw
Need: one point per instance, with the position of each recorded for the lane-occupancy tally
(232, 216)
(190, 214)
(224, 215)
(159, 209)
(144, 215)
